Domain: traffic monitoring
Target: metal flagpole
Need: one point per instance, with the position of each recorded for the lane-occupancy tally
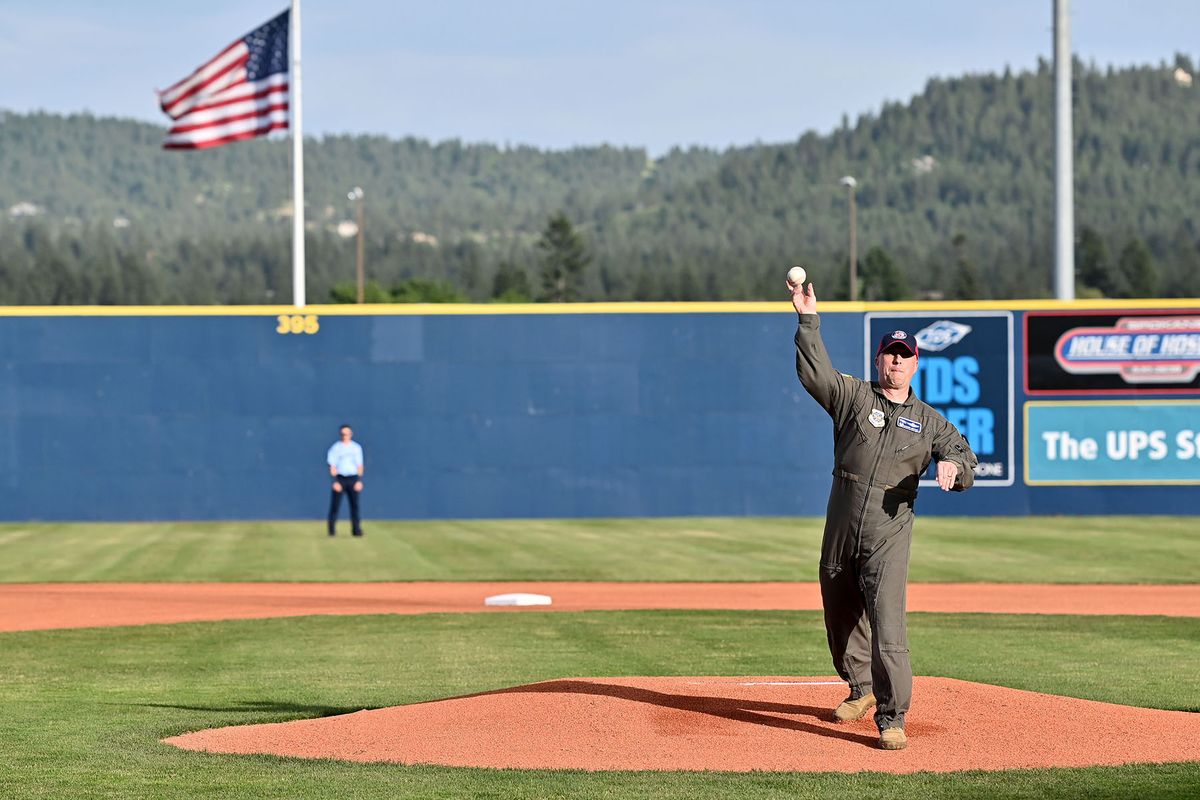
(297, 164)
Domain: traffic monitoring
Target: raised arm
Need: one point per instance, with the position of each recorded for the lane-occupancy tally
(828, 387)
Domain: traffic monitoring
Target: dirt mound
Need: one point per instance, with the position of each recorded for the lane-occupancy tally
(726, 724)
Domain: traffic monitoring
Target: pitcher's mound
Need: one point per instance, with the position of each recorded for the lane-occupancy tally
(727, 724)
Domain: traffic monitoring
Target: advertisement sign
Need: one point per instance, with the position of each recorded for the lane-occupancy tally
(965, 371)
(1112, 353)
(1144, 442)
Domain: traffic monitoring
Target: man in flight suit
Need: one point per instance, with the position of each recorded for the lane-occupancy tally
(884, 438)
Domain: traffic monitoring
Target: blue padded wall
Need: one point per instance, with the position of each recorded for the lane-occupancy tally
(505, 415)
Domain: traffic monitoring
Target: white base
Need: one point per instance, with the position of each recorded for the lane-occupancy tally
(518, 599)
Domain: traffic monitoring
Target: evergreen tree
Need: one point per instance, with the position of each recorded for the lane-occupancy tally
(966, 154)
(347, 292)
(882, 279)
(1138, 269)
(1094, 268)
(1181, 277)
(837, 285)
(966, 283)
(511, 284)
(646, 287)
(687, 287)
(420, 290)
(563, 260)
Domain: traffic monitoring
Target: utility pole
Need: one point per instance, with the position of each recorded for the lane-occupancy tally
(357, 194)
(850, 183)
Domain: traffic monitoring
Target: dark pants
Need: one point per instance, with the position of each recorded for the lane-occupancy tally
(867, 627)
(335, 503)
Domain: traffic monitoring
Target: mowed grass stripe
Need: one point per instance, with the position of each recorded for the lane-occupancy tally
(84, 709)
(946, 549)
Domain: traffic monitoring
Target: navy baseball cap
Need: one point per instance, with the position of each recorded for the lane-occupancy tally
(897, 337)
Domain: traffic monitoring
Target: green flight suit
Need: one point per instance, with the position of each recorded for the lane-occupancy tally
(881, 450)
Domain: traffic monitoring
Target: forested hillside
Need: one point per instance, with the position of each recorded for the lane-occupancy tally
(954, 199)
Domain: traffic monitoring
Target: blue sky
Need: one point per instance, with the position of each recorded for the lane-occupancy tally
(647, 73)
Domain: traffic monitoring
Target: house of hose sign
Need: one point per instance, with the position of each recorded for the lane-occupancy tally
(1115, 353)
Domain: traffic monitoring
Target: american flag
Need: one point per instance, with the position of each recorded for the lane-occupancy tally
(239, 94)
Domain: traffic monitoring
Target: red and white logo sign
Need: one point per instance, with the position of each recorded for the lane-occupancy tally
(1139, 349)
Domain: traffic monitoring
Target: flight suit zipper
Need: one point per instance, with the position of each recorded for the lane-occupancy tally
(883, 442)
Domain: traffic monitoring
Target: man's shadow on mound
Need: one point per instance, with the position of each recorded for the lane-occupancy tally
(755, 712)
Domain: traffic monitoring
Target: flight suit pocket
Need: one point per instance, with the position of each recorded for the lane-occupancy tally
(862, 419)
(913, 451)
(831, 570)
(963, 450)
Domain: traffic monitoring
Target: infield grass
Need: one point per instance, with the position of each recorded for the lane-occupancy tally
(1002, 549)
(83, 710)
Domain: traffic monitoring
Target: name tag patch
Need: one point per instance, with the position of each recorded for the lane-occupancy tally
(909, 424)
(876, 418)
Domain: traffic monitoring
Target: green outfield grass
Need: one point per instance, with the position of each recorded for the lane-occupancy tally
(1006, 549)
(83, 710)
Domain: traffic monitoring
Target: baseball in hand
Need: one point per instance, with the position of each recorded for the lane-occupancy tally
(796, 276)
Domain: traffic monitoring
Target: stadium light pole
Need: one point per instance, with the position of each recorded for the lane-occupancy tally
(850, 184)
(1064, 153)
(356, 194)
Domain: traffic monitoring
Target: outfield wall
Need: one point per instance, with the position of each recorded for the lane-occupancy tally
(561, 411)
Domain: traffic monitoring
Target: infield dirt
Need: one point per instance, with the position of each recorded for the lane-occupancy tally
(29, 606)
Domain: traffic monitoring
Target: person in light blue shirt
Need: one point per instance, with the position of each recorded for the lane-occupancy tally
(345, 460)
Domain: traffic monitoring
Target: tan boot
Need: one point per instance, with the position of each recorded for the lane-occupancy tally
(851, 710)
(893, 739)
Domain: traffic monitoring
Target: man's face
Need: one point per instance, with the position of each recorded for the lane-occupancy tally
(896, 367)
(346, 434)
